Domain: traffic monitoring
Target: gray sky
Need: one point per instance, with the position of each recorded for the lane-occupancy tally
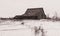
(10, 8)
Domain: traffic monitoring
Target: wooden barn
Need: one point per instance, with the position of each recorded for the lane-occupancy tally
(32, 13)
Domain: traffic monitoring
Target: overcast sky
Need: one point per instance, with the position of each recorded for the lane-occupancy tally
(10, 8)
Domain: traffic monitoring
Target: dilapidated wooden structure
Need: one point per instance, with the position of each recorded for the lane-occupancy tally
(32, 13)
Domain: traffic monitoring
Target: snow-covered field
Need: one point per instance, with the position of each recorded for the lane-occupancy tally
(16, 28)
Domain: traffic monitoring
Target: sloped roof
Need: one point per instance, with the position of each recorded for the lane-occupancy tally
(34, 12)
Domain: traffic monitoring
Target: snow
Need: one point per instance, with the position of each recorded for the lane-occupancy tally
(15, 28)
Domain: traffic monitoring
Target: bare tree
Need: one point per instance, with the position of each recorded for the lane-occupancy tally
(55, 16)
